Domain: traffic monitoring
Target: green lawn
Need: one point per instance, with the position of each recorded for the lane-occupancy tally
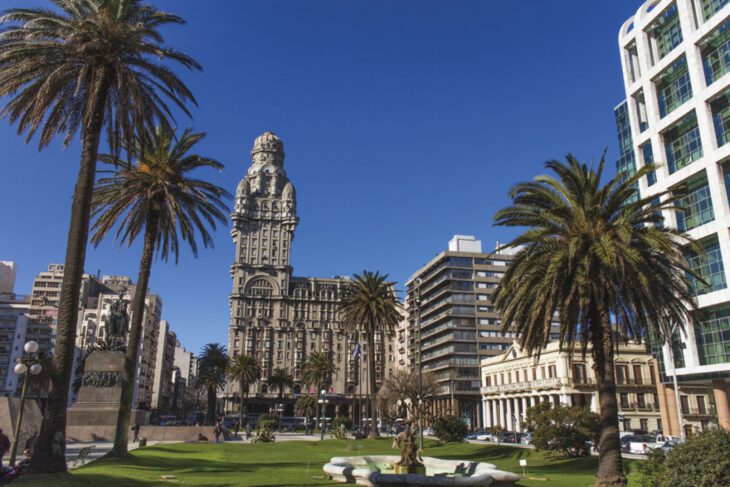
(294, 463)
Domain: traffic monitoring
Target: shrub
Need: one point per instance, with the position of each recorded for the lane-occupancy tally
(450, 429)
(342, 421)
(339, 432)
(701, 462)
(652, 469)
(562, 429)
(265, 433)
(268, 420)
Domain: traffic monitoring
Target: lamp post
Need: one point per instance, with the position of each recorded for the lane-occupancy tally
(27, 364)
(323, 401)
(420, 363)
(680, 416)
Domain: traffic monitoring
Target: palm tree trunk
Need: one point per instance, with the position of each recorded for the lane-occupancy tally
(210, 415)
(371, 379)
(610, 469)
(240, 409)
(50, 450)
(121, 436)
(318, 416)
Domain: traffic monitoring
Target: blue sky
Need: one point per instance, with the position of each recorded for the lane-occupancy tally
(405, 122)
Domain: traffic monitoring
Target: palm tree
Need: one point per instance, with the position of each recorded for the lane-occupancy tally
(592, 252)
(318, 371)
(244, 370)
(212, 365)
(83, 67)
(158, 197)
(305, 406)
(280, 379)
(371, 306)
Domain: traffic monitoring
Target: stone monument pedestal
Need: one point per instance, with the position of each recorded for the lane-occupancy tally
(98, 403)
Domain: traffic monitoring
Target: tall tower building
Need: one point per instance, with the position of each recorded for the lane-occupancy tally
(276, 317)
(675, 56)
(452, 323)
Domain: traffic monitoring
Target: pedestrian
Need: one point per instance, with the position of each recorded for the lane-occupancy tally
(248, 430)
(236, 426)
(135, 430)
(4, 446)
(217, 433)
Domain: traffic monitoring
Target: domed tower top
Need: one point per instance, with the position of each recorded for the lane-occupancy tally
(268, 148)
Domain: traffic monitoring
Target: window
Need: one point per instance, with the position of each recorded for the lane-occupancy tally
(673, 87)
(624, 397)
(709, 266)
(579, 373)
(684, 401)
(648, 156)
(641, 111)
(697, 203)
(716, 53)
(622, 374)
(641, 400)
(644, 424)
(667, 32)
(712, 332)
(711, 7)
(638, 379)
(632, 61)
(682, 142)
(701, 407)
(720, 108)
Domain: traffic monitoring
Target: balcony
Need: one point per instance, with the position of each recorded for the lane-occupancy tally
(551, 382)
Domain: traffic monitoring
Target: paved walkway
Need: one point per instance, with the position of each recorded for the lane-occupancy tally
(99, 450)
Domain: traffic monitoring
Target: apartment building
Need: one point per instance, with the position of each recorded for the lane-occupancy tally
(453, 323)
(14, 309)
(163, 388)
(675, 56)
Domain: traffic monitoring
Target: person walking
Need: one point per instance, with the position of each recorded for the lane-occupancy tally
(248, 430)
(217, 433)
(4, 446)
(135, 430)
(236, 427)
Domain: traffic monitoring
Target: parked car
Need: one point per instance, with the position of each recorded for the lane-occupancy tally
(508, 437)
(428, 432)
(487, 437)
(525, 438)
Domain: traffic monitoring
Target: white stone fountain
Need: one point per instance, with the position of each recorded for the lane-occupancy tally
(379, 470)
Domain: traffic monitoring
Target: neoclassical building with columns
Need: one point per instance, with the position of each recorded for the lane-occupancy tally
(514, 381)
(280, 318)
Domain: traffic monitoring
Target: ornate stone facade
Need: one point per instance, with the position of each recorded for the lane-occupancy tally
(275, 316)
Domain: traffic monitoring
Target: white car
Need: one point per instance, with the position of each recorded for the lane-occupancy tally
(428, 431)
(487, 437)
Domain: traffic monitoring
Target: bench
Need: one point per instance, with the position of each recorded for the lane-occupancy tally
(83, 454)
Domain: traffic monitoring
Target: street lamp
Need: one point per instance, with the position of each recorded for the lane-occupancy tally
(323, 401)
(680, 416)
(25, 364)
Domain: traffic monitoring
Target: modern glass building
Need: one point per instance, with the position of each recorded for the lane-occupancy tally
(675, 56)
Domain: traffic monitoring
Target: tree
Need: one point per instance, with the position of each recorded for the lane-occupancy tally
(212, 365)
(399, 395)
(563, 429)
(318, 371)
(280, 379)
(244, 370)
(370, 305)
(305, 406)
(449, 429)
(591, 252)
(87, 65)
(158, 197)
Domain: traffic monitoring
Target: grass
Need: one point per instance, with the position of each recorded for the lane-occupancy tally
(287, 464)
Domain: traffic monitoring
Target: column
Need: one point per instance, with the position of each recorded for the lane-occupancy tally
(510, 424)
(672, 426)
(487, 416)
(565, 400)
(719, 389)
(525, 406)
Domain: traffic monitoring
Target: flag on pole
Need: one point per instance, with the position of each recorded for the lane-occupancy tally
(357, 352)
